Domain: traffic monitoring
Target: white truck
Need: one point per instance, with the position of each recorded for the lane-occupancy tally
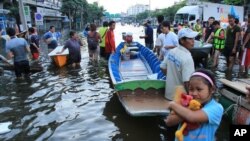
(204, 10)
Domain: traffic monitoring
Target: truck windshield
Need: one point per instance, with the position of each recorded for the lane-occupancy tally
(181, 18)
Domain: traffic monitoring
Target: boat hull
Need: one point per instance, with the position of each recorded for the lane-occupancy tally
(143, 97)
(232, 98)
(60, 60)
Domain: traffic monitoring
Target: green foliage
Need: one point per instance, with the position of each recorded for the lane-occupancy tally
(12, 6)
(94, 12)
(234, 2)
(170, 11)
(167, 12)
(81, 9)
(142, 15)
(14, 9)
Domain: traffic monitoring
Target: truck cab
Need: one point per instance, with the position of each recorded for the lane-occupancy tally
(188, 14)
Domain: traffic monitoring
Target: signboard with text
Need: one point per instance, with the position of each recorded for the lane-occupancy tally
(27, 13)
(48, 12)
(39, 19)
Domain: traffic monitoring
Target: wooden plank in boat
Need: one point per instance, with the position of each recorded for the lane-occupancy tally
(237, 85)
(235, 98)
(58, 49)
(132, 65)
(134, 74)
(142, 77)
(247, 81)
(133, 68)
(144, 104)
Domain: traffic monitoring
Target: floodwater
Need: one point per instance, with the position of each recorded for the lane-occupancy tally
(76, 104)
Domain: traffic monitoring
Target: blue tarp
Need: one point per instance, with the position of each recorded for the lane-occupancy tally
(234, 13)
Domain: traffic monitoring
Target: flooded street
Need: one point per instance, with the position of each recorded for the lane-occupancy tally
(76, 104)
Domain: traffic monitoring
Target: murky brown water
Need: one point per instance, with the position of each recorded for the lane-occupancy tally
(75, 104)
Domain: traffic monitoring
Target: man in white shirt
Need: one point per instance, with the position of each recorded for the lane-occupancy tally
(166, 40)
(178, 64)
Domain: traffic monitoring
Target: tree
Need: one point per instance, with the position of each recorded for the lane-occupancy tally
(170, 11)
(14, 10)
(73, 9)
(142, 16)
(94, 12)
(234, 2)
(81, 9)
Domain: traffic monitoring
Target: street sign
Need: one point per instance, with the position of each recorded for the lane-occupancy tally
(27, 13)
(39, 19)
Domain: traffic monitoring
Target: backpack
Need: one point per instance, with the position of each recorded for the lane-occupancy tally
(92, 42)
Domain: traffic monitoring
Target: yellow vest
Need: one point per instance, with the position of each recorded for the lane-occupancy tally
(218, 43)
(102, 31)
(198, 28)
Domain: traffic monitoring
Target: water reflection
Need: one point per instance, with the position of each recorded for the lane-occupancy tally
(56, 104)
(136, 128)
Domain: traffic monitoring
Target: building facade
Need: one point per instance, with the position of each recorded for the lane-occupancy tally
(137, 9)
(48, 9)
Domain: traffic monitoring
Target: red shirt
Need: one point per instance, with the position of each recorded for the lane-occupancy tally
(110, 42)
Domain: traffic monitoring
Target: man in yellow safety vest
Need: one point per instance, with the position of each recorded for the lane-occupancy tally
(218, 36)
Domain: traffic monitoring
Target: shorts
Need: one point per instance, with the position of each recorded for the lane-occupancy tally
(102, 52)
(22, 67)
(76, 58)
(245, 60)
(94, 53)
(228, 52)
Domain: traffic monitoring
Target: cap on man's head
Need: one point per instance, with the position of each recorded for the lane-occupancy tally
(129, 34)
(187, 32)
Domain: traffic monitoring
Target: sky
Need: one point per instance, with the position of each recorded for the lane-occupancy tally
(118, 6)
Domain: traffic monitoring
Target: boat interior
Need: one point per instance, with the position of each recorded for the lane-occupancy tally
(143, 65)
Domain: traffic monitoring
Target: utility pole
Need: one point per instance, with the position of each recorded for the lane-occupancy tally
(149, 7)
(21, 13)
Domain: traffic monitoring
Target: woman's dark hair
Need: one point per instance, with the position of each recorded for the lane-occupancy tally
(71, 33)
(11, 31)
(31, 30)
(105, 24)
(92, 27)
(209, 74)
